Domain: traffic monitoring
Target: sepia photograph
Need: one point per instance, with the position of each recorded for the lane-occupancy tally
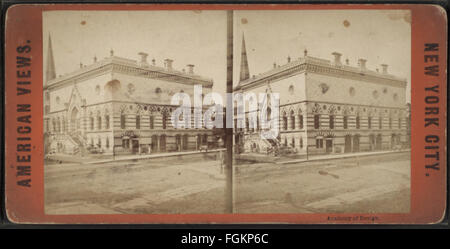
(111, 142)
(135, 112)
(343, 135)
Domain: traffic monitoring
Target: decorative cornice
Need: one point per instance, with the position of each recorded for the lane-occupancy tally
(320, 66)
(130, 67)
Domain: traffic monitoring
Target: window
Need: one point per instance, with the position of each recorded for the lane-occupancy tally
(257, 123)
(99, 123)
(399, 123)
(107, 121)
(291, 89)
(390, 123)
(331, 122)
(301, 142)
(247, 124)
(158, 90)
(107, 142)
(319, 143)
(125, 143)
(357, 122)
(91, 123)
(122, 121)
(164, 121)
(293, 143)
(369, 122)
(345, 122)
(380, 122)
(138, 122)
(300, 120)
(152, 122)
(99, 144)
(292, 121)
(351, 91)
(285, 122)
(316, 121)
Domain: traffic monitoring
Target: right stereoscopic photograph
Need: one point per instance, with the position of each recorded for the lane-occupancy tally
(323, 125)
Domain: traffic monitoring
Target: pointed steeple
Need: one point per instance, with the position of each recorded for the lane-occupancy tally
(50, 72)
(245, 72)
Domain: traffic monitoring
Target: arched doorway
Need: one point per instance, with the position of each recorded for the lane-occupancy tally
(162, 143)
(356, 143)
(74, 121)
(199, 141)
(329, 144)
(393, 141)
(348, 144)
(372, 141)
(178, 142)
(185, 142)
(378, 142)
(154, 143)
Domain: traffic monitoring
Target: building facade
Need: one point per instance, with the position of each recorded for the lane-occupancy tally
(328, 106)
(119, 106)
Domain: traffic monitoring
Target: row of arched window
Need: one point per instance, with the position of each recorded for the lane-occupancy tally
(123, 123)
(331, 122)
(95, 123)
(98, 143)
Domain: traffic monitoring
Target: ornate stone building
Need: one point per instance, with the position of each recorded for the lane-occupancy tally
(121, 106)
(328, 106)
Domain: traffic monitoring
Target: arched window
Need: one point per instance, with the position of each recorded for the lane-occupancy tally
(99, 144)
(300, 120)
(292, 120)
(369, 122)
(390, 122)
(91, 121)
(107, 121)
(331, 122)
(122, 121)
(399, 123)
(319, 142)
(138, 122)
(99, 122)
(58, 122)
(285, 121)
(107, 142)
(357, 122)
(293, 143)
(380, 122)
(164, 120)
(152, 122)
(316, 121)
(301, 142)
(345, 122)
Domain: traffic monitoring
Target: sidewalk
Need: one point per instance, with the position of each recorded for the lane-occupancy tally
(93, 160)
(339, 156)
(285, 160)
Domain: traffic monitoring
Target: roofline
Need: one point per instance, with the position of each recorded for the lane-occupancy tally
(316, 65)
(123, 65)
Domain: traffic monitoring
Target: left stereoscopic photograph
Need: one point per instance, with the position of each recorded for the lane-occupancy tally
(109, 84)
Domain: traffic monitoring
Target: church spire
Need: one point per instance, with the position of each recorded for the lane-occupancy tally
(50, 72)
(245, 72)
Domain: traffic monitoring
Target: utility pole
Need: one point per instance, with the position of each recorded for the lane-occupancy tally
(228, 130)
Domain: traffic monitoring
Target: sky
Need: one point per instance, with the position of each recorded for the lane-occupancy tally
(187, 37)
(199, 38)
(380, 36)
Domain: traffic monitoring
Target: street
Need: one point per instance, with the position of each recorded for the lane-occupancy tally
(369, 184)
